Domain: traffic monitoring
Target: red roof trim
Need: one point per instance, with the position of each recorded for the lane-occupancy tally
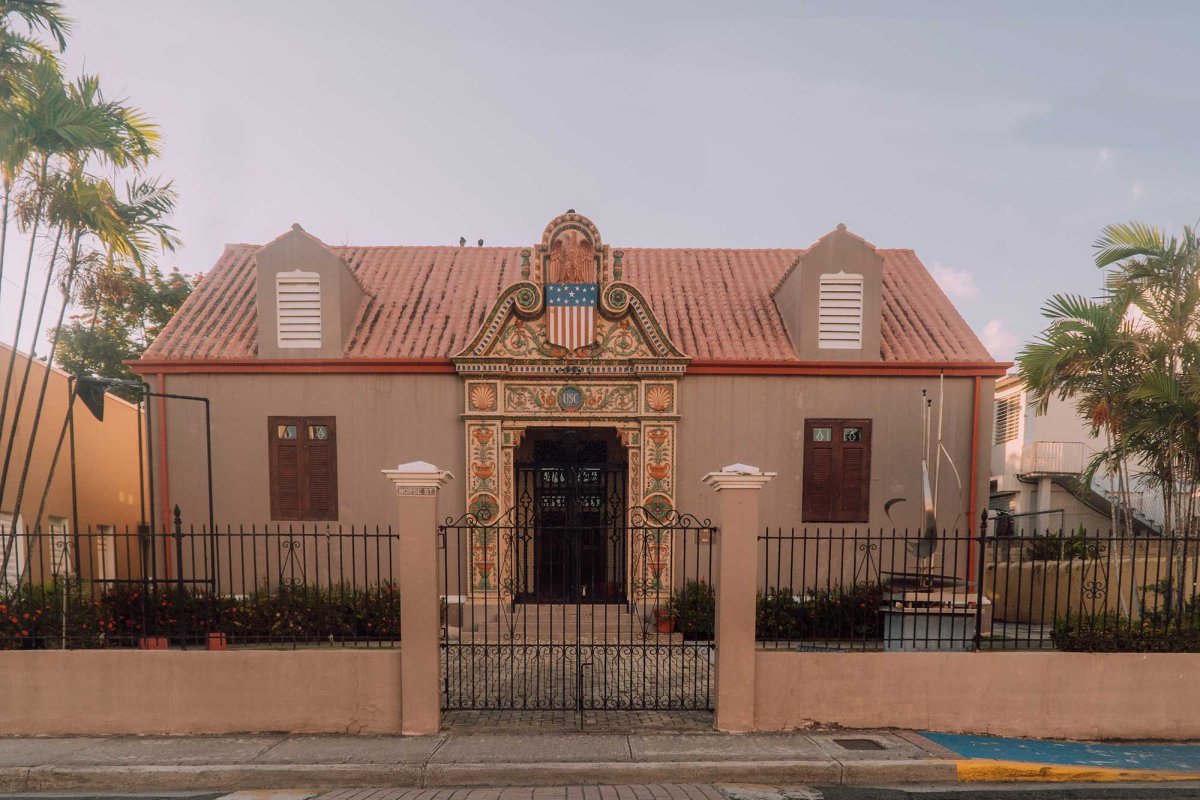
(985, 369)
(306, 365)
(849, 368)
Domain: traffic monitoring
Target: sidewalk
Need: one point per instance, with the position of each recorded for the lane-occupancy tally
(545, 756)
(468, 759)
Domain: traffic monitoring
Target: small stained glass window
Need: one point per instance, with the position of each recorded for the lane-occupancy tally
(851, 434)
(822, 434)
(287, 432)
(318, 433)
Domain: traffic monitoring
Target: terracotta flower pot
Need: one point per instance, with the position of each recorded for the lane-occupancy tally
(663, 621)
(217, 641)
(153, 643)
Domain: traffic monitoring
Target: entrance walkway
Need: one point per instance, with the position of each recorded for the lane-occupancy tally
(568, 722)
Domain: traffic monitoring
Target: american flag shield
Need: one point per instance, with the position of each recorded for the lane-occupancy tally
(571, 314)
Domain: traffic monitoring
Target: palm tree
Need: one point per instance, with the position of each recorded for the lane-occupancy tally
(1131, 361)
(38, 16)
(20, 56)
(1085, 355)
(1161, 275)
(68, 124)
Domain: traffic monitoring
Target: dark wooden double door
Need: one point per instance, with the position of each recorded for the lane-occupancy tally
(571, 508)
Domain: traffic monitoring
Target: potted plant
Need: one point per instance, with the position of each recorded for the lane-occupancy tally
(217, 641)
(664, 621)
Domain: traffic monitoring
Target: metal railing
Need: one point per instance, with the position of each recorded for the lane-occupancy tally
(876, 590)
(1054, 458)
(258, 586)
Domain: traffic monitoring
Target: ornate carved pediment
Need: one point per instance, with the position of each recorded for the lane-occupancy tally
(571, 313)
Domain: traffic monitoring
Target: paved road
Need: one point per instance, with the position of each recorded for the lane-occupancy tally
(1129, 791)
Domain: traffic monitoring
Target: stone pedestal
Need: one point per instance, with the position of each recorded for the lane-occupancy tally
(738, 502)
(417, 485)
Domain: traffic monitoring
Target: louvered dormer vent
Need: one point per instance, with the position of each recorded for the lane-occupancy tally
(298, 305)
(840, 312)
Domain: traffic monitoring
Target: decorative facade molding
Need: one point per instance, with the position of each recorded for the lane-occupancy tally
(624, 376)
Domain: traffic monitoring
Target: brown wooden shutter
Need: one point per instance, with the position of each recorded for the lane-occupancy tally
(303, 468)
(837, 473)
(286, 469)
(819, 458)
(854, 473)
(320, 470)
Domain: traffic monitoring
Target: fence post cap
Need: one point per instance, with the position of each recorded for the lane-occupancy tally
(738, 476)
(418, 477)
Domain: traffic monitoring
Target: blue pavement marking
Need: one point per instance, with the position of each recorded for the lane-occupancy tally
(1126, 756)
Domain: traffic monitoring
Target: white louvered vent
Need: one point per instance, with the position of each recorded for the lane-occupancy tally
(1008, 419)
(840, 311)
(298, 305)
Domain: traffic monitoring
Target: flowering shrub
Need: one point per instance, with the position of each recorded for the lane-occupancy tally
(843, 612)
(86, 615)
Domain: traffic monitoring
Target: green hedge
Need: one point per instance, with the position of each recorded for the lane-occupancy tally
(43, 615)
(1102, 633)
(852, 612)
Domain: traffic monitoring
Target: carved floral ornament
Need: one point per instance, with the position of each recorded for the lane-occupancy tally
(622, 336)
(581, 397)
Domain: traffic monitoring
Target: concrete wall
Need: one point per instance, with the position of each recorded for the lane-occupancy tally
(1048, 695)
(383, 420)
(760, 421)
(172, 692)
(1042, 695)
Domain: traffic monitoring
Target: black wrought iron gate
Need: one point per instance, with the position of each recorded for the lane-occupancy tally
(570, 601)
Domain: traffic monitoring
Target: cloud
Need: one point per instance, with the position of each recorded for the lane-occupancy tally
(1137, 191)
(956, 283)
(1104, 158)
(999, 340)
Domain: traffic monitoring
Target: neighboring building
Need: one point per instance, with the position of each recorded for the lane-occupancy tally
(1038, 465)
(639, 369)
(106, 475)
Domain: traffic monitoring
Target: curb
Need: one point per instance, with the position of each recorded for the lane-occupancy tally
(340, 776)
(979, 770)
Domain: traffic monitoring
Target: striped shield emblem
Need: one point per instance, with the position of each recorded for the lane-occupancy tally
(571, 314)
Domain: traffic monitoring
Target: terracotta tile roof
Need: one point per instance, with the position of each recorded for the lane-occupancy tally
(426, 302)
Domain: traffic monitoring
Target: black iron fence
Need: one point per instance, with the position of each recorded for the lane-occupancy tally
(878, 590)
(265, 586)
(616, 614)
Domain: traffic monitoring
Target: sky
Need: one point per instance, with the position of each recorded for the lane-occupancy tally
(994, 139)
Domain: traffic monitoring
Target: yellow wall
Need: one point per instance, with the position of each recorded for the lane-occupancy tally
(106, 454)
